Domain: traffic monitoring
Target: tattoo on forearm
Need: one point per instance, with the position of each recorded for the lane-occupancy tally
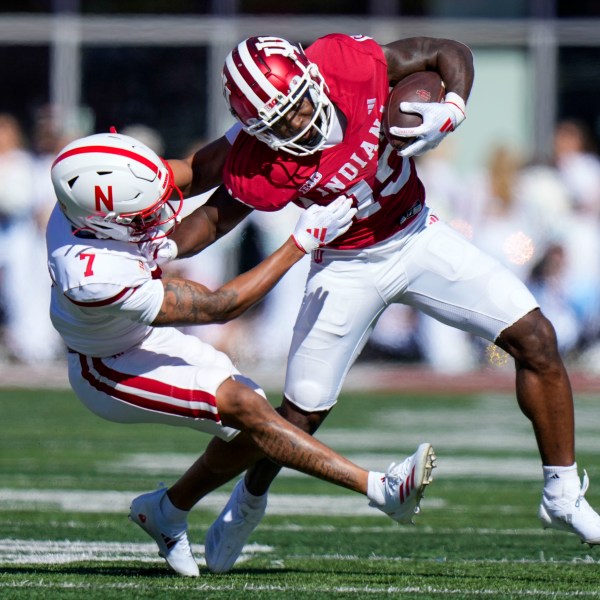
(189, 303)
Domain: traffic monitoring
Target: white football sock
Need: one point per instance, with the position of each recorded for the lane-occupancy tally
(250, 499)
(171, 512)
(561, 481)
(375, 489)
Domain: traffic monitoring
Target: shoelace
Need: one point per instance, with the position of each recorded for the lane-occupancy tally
(585, 483)
(402, 473)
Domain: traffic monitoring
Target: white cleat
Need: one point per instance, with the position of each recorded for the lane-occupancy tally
(573, 514)
(173, 544)
(228, 535)
(404, 485)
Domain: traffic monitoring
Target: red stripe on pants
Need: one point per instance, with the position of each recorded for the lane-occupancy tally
(145, 384)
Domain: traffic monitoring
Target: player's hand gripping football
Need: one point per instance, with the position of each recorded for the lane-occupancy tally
(439, 119)
(319, 225)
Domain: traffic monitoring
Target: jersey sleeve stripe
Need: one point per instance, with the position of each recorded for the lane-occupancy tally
(149, 394)
(104, 302)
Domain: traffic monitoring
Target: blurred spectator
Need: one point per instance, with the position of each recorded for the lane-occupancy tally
(25, 283)
(547, 281)
(579, 169)
(47, 140)
(518, 215)
(146, 135)
(578, 165)
(500, 221)
(530, 220)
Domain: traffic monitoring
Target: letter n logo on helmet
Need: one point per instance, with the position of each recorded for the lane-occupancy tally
(106, 199)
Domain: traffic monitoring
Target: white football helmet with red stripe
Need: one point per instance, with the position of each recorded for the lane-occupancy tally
(263, 79)
(115, 187)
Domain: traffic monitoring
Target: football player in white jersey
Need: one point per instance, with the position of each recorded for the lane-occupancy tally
(128, 363)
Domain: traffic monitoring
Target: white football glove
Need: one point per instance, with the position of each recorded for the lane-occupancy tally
(439, 119)
(319, 225)
(159, 251)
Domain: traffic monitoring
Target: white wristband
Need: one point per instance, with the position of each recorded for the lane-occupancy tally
(459, 103)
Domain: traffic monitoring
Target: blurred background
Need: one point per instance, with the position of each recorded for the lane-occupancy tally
(521, 177)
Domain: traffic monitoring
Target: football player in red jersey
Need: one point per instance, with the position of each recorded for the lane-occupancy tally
(309, 129)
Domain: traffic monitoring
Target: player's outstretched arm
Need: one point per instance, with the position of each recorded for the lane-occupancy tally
(187, 302)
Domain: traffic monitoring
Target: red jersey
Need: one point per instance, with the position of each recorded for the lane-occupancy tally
(385, 185)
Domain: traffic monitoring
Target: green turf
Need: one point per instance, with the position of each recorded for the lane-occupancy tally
(477, 536)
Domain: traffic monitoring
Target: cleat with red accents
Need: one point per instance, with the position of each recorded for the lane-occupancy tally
(403, 485)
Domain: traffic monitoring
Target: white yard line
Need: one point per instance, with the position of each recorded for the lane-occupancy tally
(84, 501)
(522, 469)
(13, 551)
(20, 551)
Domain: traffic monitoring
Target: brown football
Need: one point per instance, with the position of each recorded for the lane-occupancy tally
(425, 86)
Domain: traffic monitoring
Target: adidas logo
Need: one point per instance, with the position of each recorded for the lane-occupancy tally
(555, 476)
(318, 233)
(447, 127)
(406, 487)
(371, 105)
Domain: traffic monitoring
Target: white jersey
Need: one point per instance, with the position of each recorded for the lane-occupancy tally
(105, 293)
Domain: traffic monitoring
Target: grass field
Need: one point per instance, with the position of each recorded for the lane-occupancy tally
(67, 478)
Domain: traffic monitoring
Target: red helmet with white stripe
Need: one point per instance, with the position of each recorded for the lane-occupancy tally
(263, 79)
(116, 187)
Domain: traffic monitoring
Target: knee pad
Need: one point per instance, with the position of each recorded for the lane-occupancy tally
(310, 395)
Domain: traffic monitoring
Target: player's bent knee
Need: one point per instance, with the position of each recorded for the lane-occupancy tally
(304, 420)
(531, 340)
(241, 406)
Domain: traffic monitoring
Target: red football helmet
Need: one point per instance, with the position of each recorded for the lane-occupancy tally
(263, 79)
